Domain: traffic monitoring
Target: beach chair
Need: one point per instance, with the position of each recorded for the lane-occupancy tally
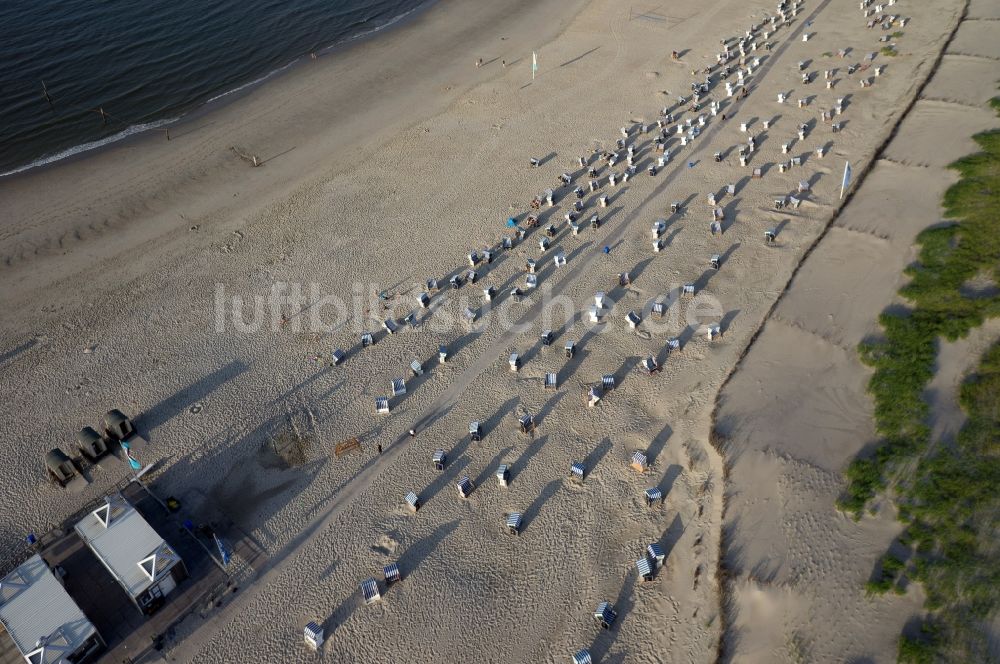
(546, 338)
(503, 474)
(639, 462)
(391, 574)
(608, 382)
(514, 523)
(659, 309)
(715, 261)
(604, 615)
(645, 569)
(118, 426)
(464, 487)
(526, 423)
(582, 657)
(475, 432)
(338, 356)
(313, 635)
(60, 468)
(367, 340)
(515, 362)
(370, 591)
(398, 387)
(570, 349)
(417, 368)
(593, 396)
(439, 459)
(412, 501)
(382, 405)
(633, 319)
(653, 496)
(655, 554)
(91, 444)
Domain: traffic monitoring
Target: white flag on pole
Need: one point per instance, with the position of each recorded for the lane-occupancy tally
(847, 179)
(534, 64)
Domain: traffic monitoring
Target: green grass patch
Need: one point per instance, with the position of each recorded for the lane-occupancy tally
(947, 495)
(889, 51)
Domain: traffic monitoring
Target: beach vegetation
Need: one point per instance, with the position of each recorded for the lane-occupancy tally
(944, 492)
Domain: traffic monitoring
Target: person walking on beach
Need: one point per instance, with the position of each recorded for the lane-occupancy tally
(380, 448)
(479, 63)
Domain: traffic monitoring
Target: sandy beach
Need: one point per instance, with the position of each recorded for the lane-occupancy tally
(383, 167)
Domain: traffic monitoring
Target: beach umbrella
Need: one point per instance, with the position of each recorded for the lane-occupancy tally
(511, 222)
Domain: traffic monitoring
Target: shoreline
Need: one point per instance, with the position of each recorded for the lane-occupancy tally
(143, 130)
(130, 190)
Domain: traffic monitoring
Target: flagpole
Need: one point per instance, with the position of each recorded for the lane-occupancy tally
(846, 181)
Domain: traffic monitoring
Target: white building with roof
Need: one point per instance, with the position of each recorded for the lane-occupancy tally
(142, 563)
(42, 620)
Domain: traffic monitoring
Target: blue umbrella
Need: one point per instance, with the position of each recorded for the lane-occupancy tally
(511, 222)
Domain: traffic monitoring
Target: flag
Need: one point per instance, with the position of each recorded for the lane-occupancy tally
(534, 65)
(847, 179)
(224, 551)
(134, 463)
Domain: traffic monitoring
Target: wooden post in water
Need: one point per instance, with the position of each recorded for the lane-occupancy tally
(104, 116)
(45, 93)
